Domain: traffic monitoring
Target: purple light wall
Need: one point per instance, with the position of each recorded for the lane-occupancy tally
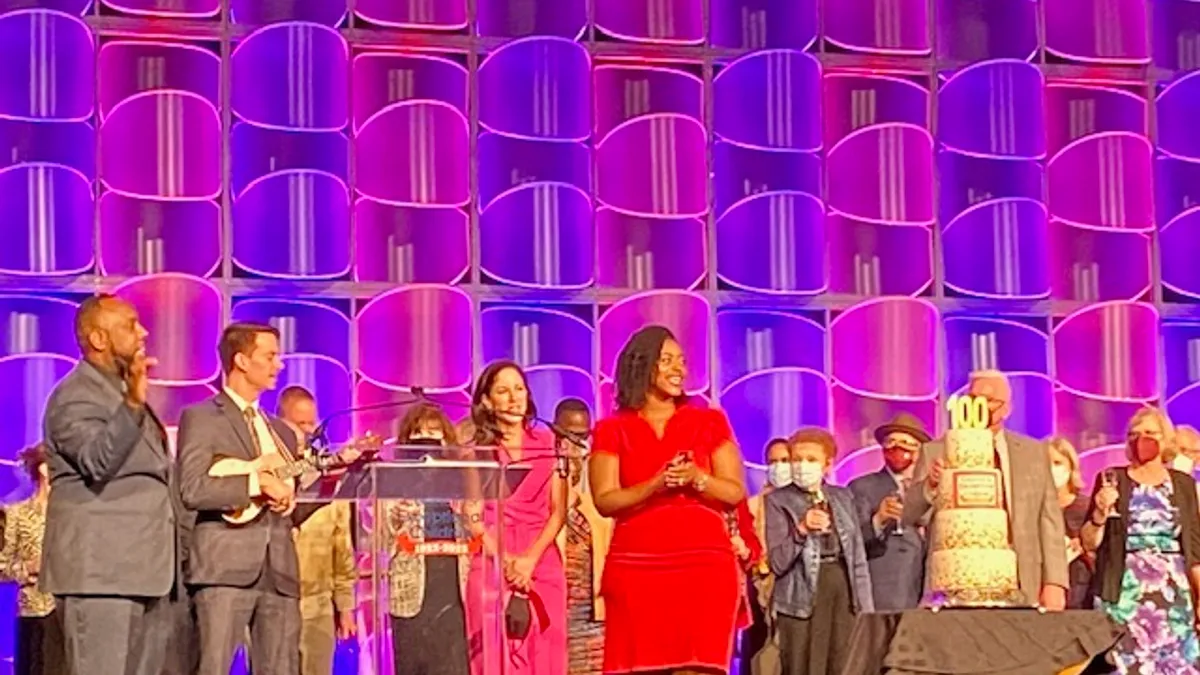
(840, 218)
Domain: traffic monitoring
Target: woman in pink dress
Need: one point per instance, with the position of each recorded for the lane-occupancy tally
(534, 513)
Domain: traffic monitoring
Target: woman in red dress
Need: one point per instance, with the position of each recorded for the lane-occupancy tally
(667, 471)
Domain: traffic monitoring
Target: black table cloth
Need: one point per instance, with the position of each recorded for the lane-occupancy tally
(977, 642)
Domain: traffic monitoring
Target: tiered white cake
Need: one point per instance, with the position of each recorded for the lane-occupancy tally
(973, 563)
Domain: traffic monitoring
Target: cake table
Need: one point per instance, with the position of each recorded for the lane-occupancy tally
(974, 641)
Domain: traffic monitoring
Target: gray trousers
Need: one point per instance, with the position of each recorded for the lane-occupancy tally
(224, 612)
(115, 636)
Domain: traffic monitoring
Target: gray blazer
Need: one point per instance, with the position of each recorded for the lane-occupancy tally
(110, 520)
(223, 554)
(795, 559)
(1034, 516)
(897, 561)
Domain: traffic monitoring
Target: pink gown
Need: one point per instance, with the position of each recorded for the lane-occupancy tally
(544, 650)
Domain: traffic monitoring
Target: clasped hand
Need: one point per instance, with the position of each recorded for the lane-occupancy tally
(681, 472)
(518, 571)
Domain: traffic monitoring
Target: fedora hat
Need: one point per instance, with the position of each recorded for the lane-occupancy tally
(906, 423)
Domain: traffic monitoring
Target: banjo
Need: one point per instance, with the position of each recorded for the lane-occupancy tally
(285, 469)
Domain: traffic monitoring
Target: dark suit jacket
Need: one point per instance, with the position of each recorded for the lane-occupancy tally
(110, 520)
(897, 561)
(1110, 557)
(223, 554)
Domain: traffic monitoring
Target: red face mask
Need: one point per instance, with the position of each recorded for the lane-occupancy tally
(1145, 449)
(897, 459)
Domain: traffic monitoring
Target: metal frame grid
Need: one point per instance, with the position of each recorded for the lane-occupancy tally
(222, 33)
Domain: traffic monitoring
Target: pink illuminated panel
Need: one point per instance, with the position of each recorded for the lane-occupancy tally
(650, 176)
(879, 229)
(686, 314)
(900, 334)
(1101, 197)
(1106, 367)
(991, 162)
(536, 208)
(766, 176)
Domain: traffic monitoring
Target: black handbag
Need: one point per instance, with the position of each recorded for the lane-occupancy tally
(518, 617)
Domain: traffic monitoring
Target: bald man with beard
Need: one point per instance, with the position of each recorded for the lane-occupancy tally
(112, 551)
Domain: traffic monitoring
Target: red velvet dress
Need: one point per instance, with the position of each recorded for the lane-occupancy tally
(670, 582)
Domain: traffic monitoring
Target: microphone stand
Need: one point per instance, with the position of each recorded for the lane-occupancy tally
(319, 438)
(562, 459)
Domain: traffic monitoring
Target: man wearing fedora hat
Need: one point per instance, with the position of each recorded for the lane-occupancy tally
(895, 554)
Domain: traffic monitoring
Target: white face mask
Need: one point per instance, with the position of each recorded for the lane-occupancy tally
(779, 474)
(1060, 474)
(1183, 463)
(807, 475)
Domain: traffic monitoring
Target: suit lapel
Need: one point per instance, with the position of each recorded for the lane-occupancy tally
(112, 387)
(235, 419)
(1005, 452)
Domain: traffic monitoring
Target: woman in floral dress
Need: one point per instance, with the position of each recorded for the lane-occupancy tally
(1145, 528)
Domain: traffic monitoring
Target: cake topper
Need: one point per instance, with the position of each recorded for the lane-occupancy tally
(968, 412)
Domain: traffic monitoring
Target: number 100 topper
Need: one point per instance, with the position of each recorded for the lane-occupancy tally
(968, 412)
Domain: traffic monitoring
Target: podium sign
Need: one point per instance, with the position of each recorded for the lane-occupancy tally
(394, 497)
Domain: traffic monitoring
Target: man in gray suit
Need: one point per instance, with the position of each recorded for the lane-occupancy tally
(111, 550)
(1035, 518)
(243, 575)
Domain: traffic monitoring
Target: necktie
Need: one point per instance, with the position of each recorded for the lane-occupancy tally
(250, 413)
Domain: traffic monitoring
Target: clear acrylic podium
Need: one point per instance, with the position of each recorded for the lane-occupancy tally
(389, 496)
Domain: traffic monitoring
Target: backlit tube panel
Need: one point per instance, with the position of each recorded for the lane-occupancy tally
(46, 107)
(991, 152)
(651, 178)
(879, 184)
(412, 169)
(290, 181)
(770, 220)
(1101, 195)
(535, 164)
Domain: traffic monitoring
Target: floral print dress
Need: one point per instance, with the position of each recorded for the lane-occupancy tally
(1155, 605)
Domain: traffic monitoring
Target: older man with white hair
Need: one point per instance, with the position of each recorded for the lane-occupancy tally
(1035, 518)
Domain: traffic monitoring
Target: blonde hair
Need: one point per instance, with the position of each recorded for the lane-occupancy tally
(1189, 431)
(1169, 447)
(1066, 450)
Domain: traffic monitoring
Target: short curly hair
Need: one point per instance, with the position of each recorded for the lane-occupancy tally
(817, 436)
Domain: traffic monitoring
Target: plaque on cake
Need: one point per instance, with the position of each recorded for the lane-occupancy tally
(972, 563)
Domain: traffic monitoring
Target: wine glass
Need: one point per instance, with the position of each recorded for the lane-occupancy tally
(1109, 479)
(899, 531)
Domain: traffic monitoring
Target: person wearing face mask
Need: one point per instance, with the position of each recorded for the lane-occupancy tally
(1064, 468)
(816, 552)
(1144, 528)
(896, 554)
(1028, 495)
(760, 581)
(1188, 440)
(429, 634)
